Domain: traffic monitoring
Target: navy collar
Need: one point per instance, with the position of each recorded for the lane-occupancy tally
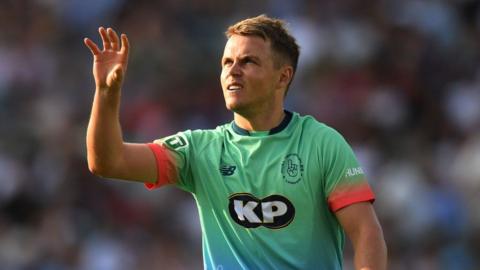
(286, 120)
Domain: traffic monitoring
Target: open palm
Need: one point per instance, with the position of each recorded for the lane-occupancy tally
(109, 64)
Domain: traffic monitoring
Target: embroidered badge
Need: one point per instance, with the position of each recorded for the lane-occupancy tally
(292, 169)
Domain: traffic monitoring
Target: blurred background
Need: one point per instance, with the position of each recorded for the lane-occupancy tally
(399, 79)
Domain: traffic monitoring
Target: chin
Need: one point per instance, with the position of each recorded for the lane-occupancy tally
(233, 106)
(231, 103)
(230, 107)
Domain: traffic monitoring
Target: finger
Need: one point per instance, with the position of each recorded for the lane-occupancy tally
(125, 45)
(105, 38)
(114, 41)
(92, 46)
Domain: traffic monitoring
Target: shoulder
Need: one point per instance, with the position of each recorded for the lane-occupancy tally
(207, 134)
(199, 135)
(193, 139)
(318, 131)
(203, 138)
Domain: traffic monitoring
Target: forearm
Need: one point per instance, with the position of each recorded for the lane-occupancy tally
(370, 250)
(104, 135)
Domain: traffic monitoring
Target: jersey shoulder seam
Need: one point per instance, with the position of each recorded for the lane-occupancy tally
(216, 134)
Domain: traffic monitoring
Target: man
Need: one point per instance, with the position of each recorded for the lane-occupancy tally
(275, 190)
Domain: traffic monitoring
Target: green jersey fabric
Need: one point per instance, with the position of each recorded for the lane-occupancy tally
(266, 200)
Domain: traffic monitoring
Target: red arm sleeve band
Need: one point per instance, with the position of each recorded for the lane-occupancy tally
(340, 199)
(165, 167)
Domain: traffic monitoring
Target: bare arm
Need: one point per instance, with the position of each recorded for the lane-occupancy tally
(108, 155)
(362, 227)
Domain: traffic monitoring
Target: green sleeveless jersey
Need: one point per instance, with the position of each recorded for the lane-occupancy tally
(266, 200)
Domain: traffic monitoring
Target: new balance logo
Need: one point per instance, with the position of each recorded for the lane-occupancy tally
(227, 170)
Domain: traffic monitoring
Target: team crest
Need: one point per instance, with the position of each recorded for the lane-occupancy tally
(292, 169)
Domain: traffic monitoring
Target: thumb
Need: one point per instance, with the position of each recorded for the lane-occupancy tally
(115, 77)
(118, 73)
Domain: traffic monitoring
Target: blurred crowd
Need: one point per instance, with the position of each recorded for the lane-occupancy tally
(400, 79)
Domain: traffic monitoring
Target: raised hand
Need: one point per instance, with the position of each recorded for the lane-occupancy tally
(109, 64)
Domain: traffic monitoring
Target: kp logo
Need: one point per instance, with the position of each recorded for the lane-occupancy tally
(273, 212)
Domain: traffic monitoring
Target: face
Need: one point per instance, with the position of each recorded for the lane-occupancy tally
(250, 81)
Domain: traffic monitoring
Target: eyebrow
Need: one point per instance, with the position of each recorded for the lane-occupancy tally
(251, 56)
(245, 56)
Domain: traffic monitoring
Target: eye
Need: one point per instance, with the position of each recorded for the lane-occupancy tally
(250, 60)
(227, 62)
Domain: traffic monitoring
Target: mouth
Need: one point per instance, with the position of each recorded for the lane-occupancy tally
(234, 87)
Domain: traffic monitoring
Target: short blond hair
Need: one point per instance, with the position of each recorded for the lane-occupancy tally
(273, 30)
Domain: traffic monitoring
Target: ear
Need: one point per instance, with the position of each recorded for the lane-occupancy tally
(285, 76)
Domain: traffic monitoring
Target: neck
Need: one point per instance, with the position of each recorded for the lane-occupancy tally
(260, 122)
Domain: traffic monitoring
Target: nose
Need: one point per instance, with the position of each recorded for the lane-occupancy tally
(235, 69)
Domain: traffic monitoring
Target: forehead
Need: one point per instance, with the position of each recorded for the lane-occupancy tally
(238, 45)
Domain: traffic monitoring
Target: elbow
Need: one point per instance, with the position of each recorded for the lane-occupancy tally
(105, 166)
(101, 170)
(95, 169)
